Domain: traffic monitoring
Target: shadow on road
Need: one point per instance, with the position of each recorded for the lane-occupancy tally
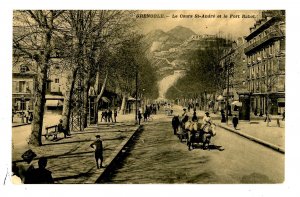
(210, 147)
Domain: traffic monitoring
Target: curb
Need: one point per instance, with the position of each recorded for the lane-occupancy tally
(112, 158)
(19, 125)
(259, 141)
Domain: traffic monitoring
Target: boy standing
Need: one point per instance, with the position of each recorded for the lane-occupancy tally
(98, 150)
(235, 121)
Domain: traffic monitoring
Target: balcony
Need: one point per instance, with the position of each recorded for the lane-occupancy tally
(271, 36)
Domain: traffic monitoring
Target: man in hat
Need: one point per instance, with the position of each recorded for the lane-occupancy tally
(206, 120)
(98, 150)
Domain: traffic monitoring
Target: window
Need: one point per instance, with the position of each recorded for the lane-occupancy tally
(56, 80)
(22, 86)
(23, 68)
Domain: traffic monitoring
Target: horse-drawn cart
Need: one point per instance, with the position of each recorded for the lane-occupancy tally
(199, 135)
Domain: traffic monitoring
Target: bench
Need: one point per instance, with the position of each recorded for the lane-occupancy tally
(51, 131)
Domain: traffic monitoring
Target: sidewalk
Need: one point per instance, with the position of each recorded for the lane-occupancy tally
(71, 160)
(255, 129)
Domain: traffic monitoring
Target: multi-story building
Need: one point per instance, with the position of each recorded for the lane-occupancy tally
(24, 78)
(265, 51)
(23, 81)
(233, 64)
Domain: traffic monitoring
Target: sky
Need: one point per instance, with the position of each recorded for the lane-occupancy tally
(233, 26)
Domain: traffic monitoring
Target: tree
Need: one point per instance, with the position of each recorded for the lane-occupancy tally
(33, 36)
(204, 75)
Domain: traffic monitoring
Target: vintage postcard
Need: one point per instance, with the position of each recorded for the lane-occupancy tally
(148, 96)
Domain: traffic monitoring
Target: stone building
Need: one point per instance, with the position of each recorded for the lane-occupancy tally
(265, 51)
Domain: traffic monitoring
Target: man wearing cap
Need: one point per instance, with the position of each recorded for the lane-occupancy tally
(98, 150)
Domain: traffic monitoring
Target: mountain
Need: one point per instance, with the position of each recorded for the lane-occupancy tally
(158, 40)
(181, 33)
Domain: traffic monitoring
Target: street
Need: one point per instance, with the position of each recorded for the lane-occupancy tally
(159, 157)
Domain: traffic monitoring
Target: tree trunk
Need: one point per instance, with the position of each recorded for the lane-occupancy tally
(66, 115)
(100, 95)
(123, 105)
(39, 108)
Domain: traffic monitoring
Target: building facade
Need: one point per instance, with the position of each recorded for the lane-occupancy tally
(265, 51)
(234, 71)
(23, 81)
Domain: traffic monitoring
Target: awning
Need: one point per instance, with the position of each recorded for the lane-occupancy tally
(281, 100)
(105, 99)
(237, 103)
(51, 103)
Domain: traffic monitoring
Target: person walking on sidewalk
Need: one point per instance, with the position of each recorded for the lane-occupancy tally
(235, 121)
(98, 151)
(283, 116)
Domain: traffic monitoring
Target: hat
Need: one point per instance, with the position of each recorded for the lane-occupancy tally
(97, 136)
(184, 108)
(29, 155)
(207, 112)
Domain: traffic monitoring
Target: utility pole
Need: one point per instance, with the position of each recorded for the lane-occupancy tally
(227, 94)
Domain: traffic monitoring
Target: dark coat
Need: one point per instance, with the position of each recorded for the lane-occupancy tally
(42, 176)
(175, 122)
(235, 120)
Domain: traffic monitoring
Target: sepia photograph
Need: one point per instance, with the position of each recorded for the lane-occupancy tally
(148, 96)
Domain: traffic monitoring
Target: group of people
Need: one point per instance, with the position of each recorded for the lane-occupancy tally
(107, 115)
(28, 174)
(177, 122)
(149, 110)
(26, 116)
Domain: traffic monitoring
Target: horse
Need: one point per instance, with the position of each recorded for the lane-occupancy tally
(194, 132)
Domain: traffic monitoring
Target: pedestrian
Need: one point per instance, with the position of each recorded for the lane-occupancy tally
(26, 170)
(115, 115)
(194, 117)
(175, 124)
(98, 151)
(41, 175)
(140, 117)
(283, 116)
(235, 121)
(30, 117)
(61, 129)
(103, 116)
(26, 115)
(15, 177)
(223, 118)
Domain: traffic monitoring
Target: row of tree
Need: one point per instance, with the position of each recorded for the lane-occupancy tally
(204, 76)
(99, 48)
